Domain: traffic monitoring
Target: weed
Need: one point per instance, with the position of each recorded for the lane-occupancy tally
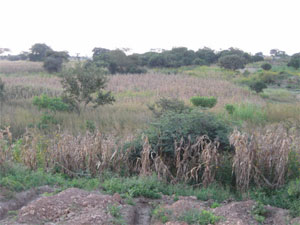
(161, 214)
(200, 218)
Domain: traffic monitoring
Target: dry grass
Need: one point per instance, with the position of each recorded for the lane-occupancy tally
(195, 162)
(72, 155)
(133, 94)
(20, 67)
(5, 145)
(263, 156)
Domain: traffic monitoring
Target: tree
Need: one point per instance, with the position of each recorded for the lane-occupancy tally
(85, 86)
(233, 62)
(295, 61)
(207, 55)
(257, 86)
(38, 52)
(266, 66)
(54, 60)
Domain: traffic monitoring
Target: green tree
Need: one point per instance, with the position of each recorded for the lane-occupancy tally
(295, 61)
(257, 86)
(54, 61)
(38, 52)
(232, 62)
(84, 86)
(266, 66)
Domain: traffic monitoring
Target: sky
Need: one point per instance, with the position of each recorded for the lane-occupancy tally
(78, 26)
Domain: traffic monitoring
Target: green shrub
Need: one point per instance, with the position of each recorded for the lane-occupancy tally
(52, 104)
(266, 66)
(230, 108)
(201, 218)
(165, 105)
(232, 62)
(257, 86)
(259, 212)
(134, 186)
(161, 214)
(172, 126)
(205, 102)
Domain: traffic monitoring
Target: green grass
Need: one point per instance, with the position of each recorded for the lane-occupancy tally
(250, 113)
(17, 178)
(199, 218)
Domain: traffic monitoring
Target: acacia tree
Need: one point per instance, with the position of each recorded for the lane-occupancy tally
(38, 52)
(84, 86)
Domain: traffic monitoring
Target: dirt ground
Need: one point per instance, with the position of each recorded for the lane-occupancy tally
(78, 207)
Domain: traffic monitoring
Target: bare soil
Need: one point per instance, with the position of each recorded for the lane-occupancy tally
(78, 207)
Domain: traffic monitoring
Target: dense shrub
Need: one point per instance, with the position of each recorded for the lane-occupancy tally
(205, 102)
(295, 61)
(230, 108)
(266, 66)
(257, 86)
(167, 105)
(232, 62)
(174, 126)
(51, 104)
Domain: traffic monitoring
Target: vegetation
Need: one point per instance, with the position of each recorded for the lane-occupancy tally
(232, 62)
(200, 218)
(152, 141)
(85, 86)
(205, 102)
(266, 66)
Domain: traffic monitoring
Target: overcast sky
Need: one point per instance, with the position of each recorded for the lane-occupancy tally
(80, 25)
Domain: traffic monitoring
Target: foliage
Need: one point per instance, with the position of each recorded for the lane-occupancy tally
(200, 218)
(135, 187)
(165, 105)
(54, 60)
(250, 113)
(172, 127)
(161, 214)
(19, 178)
(38, 52)
(266, 66)
(50, 104)
(230, 108)
(205, 102)
(116, 61)
(258, 86)
(85, 86)
(232, 62)
(259, 212)
(295, 61)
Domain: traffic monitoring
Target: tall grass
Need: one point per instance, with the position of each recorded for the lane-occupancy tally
(20, 67)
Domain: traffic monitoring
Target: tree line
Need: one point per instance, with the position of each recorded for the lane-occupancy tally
(116, 61)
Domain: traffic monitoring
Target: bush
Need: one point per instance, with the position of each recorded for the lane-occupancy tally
(232, 62)
(266, 66)
(205, 102)
(295, 61)
(230, 108)
(51, 104)
(257, 86)
(174, 126)
(195, 217)
(167, 105)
